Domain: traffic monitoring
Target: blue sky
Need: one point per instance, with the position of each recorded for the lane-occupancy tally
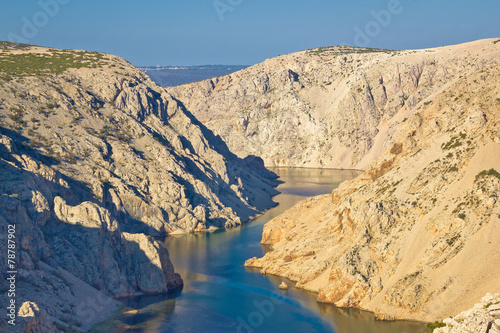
(242, 32)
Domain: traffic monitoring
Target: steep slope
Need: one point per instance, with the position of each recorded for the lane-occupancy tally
(95, 159)
(416, 236)
(335, 107)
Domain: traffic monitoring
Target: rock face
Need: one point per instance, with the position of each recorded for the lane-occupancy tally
(38, 319)
(484, 317)
(96, 160)
(415, 236)
(335, 107)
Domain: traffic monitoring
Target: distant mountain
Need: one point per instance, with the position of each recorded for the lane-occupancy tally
(169, 76)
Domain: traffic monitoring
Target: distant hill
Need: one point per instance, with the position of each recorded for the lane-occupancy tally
(169, 76)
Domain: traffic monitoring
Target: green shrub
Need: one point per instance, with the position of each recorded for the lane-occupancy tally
(51, 106)
(13, 46)
(432, 326)
(454, 142)
(39, 64)
(453, 239)
(490, 172)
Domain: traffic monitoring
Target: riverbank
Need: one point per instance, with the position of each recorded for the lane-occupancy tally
(220, 294)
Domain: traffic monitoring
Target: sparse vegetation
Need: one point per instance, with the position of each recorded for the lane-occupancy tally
(454, 142)
(16, 115)
(490, 172)
(54, 62)
(51, 106)
(453, 239)
(13, 46)
(338, 50)
(432, 326)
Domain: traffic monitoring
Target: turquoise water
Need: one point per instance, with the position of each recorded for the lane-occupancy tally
(220, 295)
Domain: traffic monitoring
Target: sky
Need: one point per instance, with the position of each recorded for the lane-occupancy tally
(242, 32)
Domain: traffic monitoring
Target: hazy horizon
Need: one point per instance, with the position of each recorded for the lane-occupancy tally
(201, 32)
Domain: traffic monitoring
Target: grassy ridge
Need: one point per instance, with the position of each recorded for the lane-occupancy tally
(13, 46)
(51, 62)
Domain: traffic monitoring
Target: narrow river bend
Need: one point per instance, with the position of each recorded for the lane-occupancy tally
(220, 295)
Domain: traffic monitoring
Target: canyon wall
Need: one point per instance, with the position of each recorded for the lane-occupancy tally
(332, 107)
(415, 236)
(95, 161)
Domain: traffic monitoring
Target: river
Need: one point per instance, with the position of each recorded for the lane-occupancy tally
(220, 295)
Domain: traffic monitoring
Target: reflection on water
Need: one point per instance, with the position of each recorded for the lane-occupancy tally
(220, 295)
(144, 313)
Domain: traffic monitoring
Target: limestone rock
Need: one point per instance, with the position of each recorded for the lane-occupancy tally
(336, 107)
(154, 272)
(415, 236)
(28, 309)
(483, 317)
(283, 286)
(86, 214)
(40, 322)
(95, 159)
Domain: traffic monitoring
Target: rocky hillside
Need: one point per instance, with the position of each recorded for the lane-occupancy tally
(484, 317)
(335, 107)
(95, 159)
(416, 236)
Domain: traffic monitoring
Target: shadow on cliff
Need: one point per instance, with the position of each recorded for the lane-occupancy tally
(78, 191)
(216, 142)
(100, 257)
(258, 181)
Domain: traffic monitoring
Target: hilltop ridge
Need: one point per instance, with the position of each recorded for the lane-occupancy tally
(331, 107)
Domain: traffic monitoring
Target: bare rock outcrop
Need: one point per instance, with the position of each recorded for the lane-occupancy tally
(39, 323)
(335, 107)
(484, 317)
(415, 236)
(95, 161)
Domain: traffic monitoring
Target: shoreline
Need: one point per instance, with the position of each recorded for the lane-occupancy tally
(382, 317)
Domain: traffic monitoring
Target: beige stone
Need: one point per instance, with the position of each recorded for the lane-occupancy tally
(283, 286)
(336, 107)
(415, 236)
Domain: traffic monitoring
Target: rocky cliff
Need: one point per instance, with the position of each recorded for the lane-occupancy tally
(415, 236)
(96, 160)
(484, 317)
(335, 107)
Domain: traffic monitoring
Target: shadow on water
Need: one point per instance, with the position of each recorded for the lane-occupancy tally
(220, 295)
